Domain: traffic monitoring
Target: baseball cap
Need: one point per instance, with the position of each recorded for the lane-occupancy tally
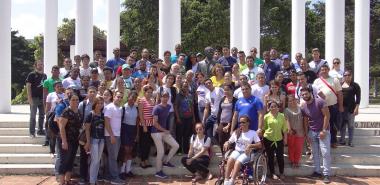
(125, 66)
(285, 56)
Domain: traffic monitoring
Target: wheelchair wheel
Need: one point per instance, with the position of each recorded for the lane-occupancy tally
(260, 169)
(219, 182)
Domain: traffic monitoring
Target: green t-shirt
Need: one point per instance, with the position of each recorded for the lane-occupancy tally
(242, 67)
(274, 126)
(258, 62)
(49, 84)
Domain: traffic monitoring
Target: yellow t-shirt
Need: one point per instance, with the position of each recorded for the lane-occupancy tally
(217, 83)
(274, 126)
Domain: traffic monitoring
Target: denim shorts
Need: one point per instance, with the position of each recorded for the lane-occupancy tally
(240, 156)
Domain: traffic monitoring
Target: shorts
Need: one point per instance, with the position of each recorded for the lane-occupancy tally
(128, 134)
(240, 156)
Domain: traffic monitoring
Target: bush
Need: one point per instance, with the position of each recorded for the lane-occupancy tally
(21, 98)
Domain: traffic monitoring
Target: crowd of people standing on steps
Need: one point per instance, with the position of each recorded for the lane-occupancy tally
(115, 110)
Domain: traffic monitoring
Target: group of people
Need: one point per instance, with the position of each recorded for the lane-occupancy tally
(183, 104)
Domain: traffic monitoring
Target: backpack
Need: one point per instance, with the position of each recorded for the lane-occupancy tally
(53, 126)
(204, 141)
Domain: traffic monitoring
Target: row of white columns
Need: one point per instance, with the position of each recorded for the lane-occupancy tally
(245, 33)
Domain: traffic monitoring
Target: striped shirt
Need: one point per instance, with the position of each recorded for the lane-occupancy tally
(147, 109)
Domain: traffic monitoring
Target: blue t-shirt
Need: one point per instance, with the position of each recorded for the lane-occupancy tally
(115, 63)
(270, 71)
(140, 74)
(162, 113)
(227, 62)
(60, 107)
(249, 106)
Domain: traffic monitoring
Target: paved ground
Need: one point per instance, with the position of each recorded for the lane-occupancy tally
(149, 180)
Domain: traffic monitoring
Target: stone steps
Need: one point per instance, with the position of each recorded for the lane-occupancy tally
(23, 148)
(22, 140)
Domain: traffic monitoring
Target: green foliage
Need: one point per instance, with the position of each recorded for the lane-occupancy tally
(21, 98)
(37, 46)
(21, 61)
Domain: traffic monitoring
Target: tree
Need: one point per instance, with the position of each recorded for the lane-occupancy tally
(21, 62)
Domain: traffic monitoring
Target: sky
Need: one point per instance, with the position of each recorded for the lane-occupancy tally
(28, 15)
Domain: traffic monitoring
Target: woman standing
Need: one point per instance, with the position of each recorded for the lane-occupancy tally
(185, 117)
(145, 106)
(108, 97)
(166, 64)
(94, 124)
(198, 157)
(201, 95)
(69, 126)
(274, 129)
(224, 117)
(217, 75)
(296, 131)
(351, 100)
(128, 133)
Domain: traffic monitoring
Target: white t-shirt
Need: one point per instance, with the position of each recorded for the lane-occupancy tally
(245, 139)
(336, 74)
(331, 98)
(67, 82)
(198, 144)
(85, 72)
(238, 93)
(259, 92)
(251, 73)
(54, 98)
(63, 72)
(214, 98)
(114, 113)
(100, 74)
(202, 92)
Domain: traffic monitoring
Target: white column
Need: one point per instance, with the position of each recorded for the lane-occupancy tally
(50, 36)
(5, 53)
(298, 28)
(361, 49)
(84, 28)
(335, 31)
(169, 26)
(236, 15)
(72, 52)
(113, 26)
(251, 25)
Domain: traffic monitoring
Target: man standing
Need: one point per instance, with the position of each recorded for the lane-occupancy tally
(208, 63)
(316, 120)
(252, 70)
(316, 64)
(34, 84)
(113, 114)
(251, 106)
(270, 67)
(297, 63)
(178, 50)
(85, 69)
(115, 62)
(227, 61)
(65, 70)
(253, 53)
(332, 90)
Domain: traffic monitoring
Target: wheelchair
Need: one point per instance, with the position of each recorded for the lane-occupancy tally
(258, 163)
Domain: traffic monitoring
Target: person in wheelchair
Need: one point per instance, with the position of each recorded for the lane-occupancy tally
(245, 141)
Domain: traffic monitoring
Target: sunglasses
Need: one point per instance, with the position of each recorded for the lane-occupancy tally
(336, 63)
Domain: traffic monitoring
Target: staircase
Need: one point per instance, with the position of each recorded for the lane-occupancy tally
(20, 154)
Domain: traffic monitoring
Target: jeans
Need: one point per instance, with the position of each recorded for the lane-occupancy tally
(113, 151)
(321, 146)
(67, 157)
(97, 146)
(199, 164)
(334, 122)
(184, 132)
(58, 157)
(37, 103)
(83, 166)
(159, 138)
(172, 124)
(209, 126)
(348, 120)
(200, 113)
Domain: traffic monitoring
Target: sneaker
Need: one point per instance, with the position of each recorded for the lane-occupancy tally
(46, 143)
(82, 181)
(351, 144)
(161, 175)
(275, 177)
(168, 164)
(123, 176)
(117, 181)
(316, 175)
(130, 174)
(32, 136)
(326, 179)
(41, 132)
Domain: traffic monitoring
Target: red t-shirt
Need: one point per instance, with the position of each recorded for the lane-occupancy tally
(291, 88)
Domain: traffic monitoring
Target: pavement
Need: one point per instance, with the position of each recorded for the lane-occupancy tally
(177, 180)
